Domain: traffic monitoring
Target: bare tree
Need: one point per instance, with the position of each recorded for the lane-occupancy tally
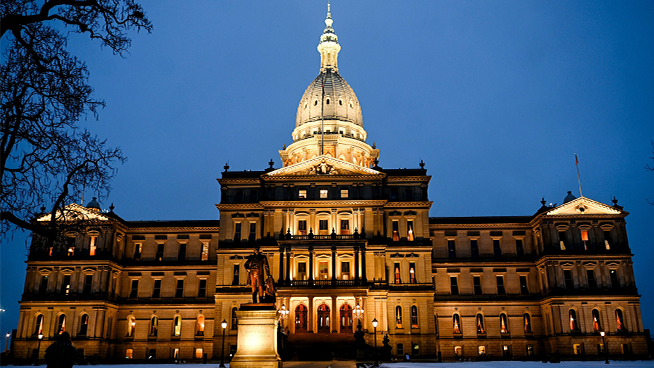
(46, 158)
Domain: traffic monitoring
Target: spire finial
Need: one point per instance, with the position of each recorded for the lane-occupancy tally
(329, 10)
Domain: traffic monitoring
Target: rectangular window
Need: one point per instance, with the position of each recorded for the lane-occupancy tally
(592, 283)
(454, 285)
(182, 253)
(396, 273)
(476, 280)
(137, 251)
(409, 231)
(156, 291)
(497, 249)
(253, 231)
(451, 249)
(400, 349)
(254, 196)
(43, 288)
(412, 273)
(324, 193)
(481, 350)
(614, 279)
(302, 271)
(198, 353)
(323, 225)
(562, 240)
(179, 291)
(88, 283)
(393, 193)
(500, 285)
(302, 193)
(584, 238)
(567, 275)
(129, 354)
(92, 246)
(71, 247)
(396, 230)
(323, 270)
(506, 351)
(344, 193)
(608, 242)
(519, 248)
(66, 286)
(345, 270)
(176, 353)
(238, 198)
(576, 349)
(408, 194)
(235, 278)
(523, 285)
(345, 227)
(135, 289)
(530, 350)
(205, 251)
(237, 232)
(202, 288)
(474, 248)
(302, 227)
(160, 252)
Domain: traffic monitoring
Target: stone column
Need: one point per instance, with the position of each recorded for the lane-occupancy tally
(335, 318)
(333, 264)
(310, 264)
(281, 265)
(311, 312)
(363, 263)
(334, 225)
(356, 263)
(288, 263)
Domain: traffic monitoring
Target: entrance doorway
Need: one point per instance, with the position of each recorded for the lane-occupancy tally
(301, 319)
(346, 319)
(323, 318)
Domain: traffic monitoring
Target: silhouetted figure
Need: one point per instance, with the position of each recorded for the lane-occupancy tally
(61, 354)
(259, 277)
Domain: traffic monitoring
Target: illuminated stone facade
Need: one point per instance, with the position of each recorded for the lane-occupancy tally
(347, 240)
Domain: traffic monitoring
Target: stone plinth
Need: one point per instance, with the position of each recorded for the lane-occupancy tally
(257, 337)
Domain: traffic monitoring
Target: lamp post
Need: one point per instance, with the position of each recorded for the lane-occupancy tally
(606, 348)
(7, 342)
(222, 354)
(374, 325)
(283, 314)
(358, 313)
(38, 349)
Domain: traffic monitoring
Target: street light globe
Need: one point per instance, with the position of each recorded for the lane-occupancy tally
(8, 334)
(374, 323)
(40, 336)
(602, 333)
(224, 324)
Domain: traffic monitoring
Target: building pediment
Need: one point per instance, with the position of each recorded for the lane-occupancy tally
(75, 212)
(323, 166)
(583, 206)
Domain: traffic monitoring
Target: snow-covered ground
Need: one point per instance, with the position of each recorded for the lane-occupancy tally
(336, 364)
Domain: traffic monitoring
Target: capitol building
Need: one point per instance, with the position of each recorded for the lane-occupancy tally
(348, 242)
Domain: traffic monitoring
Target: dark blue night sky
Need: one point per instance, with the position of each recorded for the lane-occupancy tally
(494, 96)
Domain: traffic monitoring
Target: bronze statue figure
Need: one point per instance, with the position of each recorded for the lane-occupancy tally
(259, 277)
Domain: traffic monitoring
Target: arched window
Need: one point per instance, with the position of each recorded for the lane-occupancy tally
(597, 324)
(456, 324)
(346, 318)
(574, 326)
(234, 319)
(61, 324)
(414, 316)
(154, 326)
(177, 326)
(398, 317)
(480, 324)
(619, 320)
(39, 325)
(84, 325)
(199, 326)
(131, 326)
(527, 322)
(504, 324)
(323, 318)
(300, 318)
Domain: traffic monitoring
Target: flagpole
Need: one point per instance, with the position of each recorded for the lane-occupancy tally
(581, 194)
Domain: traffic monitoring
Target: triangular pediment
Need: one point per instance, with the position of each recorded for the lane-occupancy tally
(323, 166)
(75, 212)
(584, 206)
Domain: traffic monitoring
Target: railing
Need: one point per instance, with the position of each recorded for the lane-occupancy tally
(320, 283)
(354, 236)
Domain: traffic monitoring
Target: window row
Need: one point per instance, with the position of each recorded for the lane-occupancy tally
(474, 248)
(84, 284)
(499, 283)
(161, 252)
(153, 326)
(586, 239)
(480, 323)
(178, 290)
(198, 353)
(596, 321)
(61, 326)
(592, 282)
(482, 351)
(414, 317)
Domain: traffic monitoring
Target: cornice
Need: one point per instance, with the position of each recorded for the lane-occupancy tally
(425, 204)
(326, 203)
(240, 206)
(425, 178)
(256, 181)
(329, 178)
(164, 229)
(479, 226)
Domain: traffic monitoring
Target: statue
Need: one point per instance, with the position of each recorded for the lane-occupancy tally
(260, 278)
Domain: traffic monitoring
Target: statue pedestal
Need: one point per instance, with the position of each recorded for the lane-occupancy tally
(257, 337)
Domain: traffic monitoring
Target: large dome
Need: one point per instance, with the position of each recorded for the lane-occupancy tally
(340, 102)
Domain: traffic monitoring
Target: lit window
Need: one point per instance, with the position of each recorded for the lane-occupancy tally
(527, 322)
(398, 317)
(607, 240)
(39, 325)
(397, 273)
(323, 225)
(396, 230)
(456, 324)
(198, 353)
(137, 251)
(323, 270)
(205, 251)
(92, 246)
(129, 353)
(584, 238)
(323, 193)
(234, 319)
(409, 235)
(199, 326)
(562, 240)
(344, 193)
(619, 320)
(345, 227)
(576, 349)
(480, 324)
(61, 324)
(302, 227)
(177, 326)
(573, 320)
(504, 324)
(154, 326)
(412, 273)
(131, 326)
(302, 193)
(481, 350)
(597, 324)
(176, 353)
(414, 317)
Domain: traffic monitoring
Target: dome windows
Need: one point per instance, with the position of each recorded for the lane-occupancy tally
(315, 103)
(340, 102)
(327, 102)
